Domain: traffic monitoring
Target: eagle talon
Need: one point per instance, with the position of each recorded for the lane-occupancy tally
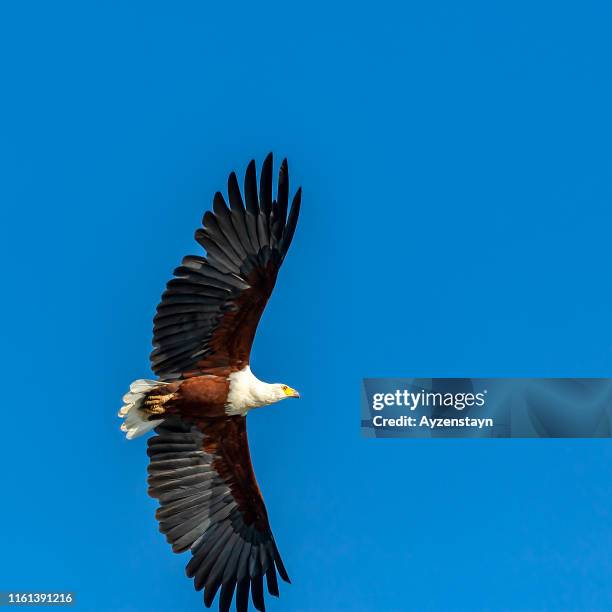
(154, 404)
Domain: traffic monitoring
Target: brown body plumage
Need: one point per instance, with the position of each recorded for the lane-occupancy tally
(195, 397)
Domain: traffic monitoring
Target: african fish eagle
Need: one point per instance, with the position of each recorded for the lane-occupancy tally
(200, 468)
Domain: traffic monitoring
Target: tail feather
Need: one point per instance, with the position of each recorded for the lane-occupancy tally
(136, 420)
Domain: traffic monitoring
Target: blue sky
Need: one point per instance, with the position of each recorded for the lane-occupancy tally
(455, 160)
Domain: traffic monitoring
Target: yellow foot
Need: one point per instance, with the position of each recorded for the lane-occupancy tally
(154, 404)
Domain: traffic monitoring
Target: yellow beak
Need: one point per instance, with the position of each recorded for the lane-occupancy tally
(289, 392)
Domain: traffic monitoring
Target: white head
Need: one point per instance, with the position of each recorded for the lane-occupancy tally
(282, 392)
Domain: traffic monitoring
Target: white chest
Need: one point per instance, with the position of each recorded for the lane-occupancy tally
(246, 391)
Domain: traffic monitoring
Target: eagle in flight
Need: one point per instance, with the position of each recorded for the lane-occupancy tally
(200, 468)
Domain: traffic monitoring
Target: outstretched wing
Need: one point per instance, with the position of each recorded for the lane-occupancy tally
(209, 313)
(210, 503)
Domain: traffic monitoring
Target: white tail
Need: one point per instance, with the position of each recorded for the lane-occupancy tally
(136, 422)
